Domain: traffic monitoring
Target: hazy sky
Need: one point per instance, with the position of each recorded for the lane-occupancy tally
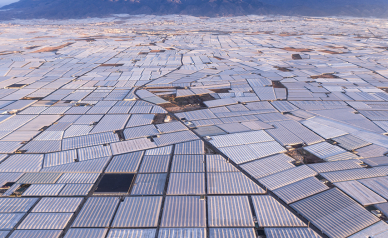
(6, 2)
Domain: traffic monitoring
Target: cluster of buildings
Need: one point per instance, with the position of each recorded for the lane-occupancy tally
(177, 126)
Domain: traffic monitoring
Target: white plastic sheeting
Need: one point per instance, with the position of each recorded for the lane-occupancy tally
(378, 185)
(140, 131)
(290, 232)
(59, 158)
(229, 211)
(231, 183)
(191, 147)
(94, 152)
(270, 213)
(149, 184)
(335, 166)
(184, 211)
(57, 205)
(43, 190)
(188, 163)
(186, 184)
(240, 138)
(16, 204)
(138, 212)
(350, 142)
(155, 164)
(217, 163)
(97, 212)
(125, 163)
(132, 145)
(45, 221)
(325, 131)
(92, 166)
(286, 177)
(174, 138)
(245, 153)
(182, 232)
(31, 178)
(324, 150)
(301, 189)
(22, 163)
(76, 190)
(78, 178)
(379, 229)
(353, 174)
(89, 140)
(334, 213)
(232, 232)
(36, 233)
(171, 127)
(86, 232)
(132, 233)
(9, 220)
(269, 165)
(165, 150)
(360, 193)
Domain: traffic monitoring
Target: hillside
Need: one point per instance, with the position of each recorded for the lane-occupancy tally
(62, 9)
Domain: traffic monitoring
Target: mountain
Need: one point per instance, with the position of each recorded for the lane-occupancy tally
(62, 9)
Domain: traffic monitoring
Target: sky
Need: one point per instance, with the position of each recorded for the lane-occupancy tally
(6, 2)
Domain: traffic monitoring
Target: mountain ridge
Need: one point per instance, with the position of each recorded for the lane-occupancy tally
(27, 9)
